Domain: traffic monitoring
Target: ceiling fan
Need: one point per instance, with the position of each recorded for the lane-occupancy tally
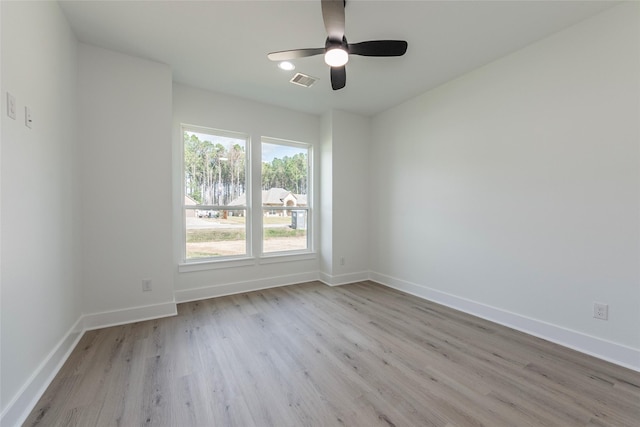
(336, 50)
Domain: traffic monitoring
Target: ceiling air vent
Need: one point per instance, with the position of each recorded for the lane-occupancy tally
(303, 80)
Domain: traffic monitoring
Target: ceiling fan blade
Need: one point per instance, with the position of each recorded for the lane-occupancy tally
(379, 48)
(286, 55)
(333, 16)
(338, 77)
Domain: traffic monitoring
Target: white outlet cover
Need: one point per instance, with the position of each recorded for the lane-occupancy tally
(601, 311)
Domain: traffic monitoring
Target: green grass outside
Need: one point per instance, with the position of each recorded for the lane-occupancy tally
(283, 232)
(208, 235)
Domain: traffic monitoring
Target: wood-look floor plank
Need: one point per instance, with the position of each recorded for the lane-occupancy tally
(311, 355)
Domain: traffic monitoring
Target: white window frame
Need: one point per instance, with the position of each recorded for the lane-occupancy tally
(267, 257)
(254, 215)
(234, 259)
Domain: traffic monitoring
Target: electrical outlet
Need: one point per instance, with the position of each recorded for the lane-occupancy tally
(146, 285)
(600, 311)
(342, 261)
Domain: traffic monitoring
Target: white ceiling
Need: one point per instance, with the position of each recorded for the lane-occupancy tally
(222, 45)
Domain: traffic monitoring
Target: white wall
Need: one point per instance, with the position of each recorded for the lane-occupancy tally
(512, 192)
(345, 197)
(217, 111)
(326, 196)
(39, 188)
(516, 187)
(125, 138)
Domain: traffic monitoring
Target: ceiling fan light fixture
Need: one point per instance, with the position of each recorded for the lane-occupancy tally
(336, 57)
(286, 65)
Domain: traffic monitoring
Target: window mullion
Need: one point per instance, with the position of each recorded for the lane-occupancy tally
(256, 195)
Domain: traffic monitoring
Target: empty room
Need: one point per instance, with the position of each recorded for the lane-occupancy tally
(320, 213)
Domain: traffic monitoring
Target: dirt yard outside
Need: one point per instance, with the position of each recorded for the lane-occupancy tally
(211, 237)
(237, 247)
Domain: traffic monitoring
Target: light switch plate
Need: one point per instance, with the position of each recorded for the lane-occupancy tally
(27, 117)
(11, 106)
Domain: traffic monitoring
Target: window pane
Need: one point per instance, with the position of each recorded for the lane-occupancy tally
(284, 175)
(213, 233)
(214, 177)
(285, 180)
(284, 230)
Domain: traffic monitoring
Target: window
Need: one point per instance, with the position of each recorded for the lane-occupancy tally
(285, 196)
(215, 185)
(218, 192)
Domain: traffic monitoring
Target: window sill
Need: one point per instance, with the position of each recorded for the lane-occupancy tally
(215, 264)
(286, 257)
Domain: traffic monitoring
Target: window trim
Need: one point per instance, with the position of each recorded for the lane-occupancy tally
(310, 249)
(254, 224)
(214, 264)
(247, 207)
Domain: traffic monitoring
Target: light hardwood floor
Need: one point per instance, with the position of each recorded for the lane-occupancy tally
(312, 355)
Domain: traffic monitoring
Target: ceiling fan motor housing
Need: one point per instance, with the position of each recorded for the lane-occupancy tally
(334, 44)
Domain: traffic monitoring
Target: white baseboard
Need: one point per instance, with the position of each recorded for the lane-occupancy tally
(195, 294)
(27, 397)
(106, 319)
(593, 346)
(343, 279)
